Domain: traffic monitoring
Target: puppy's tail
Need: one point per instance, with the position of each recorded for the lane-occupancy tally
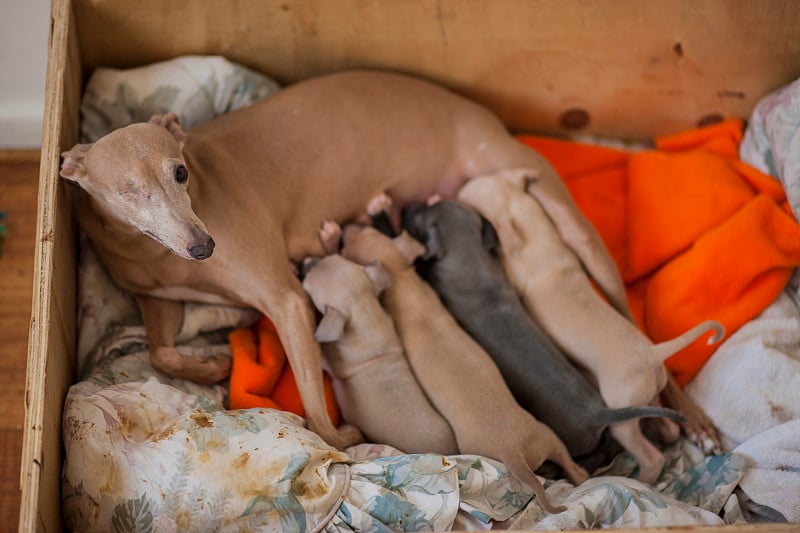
(611, 416)
(519, 469)
(668, 348)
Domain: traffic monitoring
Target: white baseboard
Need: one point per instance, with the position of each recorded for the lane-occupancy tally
(21, 125)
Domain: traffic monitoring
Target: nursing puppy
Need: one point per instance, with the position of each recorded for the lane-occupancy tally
(460, 264)
(555, 289)
(261, 180)
(460, 379)
(374, 386)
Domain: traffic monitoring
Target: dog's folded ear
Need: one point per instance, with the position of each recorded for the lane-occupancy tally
(380, 277)
(434, 248)
(73, 167)
(331, 327)
(173, 125)
(410, 247)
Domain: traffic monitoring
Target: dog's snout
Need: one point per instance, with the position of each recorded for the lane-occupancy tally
(202, 251)
(410, 214)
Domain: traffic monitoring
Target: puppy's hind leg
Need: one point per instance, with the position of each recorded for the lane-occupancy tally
(162, 320)
(651, 460)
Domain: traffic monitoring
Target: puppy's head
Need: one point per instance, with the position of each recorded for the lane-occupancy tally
(334, 285)
(446, 226)
(364, 244)
(137, 176)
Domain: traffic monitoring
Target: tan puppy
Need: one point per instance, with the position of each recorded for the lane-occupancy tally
(460, 378)
(558, 294)
(262, 179)
(374, 386)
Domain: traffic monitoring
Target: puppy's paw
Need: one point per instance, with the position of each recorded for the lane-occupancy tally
(344, 437)
(379, 203)
(330, 235)
(702, 433)
(433, 199)
(699, 428)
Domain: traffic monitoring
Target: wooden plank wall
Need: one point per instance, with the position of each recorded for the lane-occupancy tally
(19, 173)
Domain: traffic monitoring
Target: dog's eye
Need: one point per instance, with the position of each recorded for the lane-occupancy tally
(181, 174)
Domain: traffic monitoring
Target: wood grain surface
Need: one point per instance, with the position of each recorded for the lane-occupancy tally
(19, 173)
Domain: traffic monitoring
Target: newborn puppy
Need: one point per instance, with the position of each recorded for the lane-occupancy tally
(558, 294)
(375, 388)
(460, 263)
(458, 376)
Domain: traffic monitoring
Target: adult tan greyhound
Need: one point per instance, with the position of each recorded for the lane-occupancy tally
(262, 179)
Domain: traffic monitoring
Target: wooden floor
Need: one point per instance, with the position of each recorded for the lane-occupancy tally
(19, 176)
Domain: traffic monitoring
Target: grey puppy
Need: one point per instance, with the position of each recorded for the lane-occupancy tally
(461, 265)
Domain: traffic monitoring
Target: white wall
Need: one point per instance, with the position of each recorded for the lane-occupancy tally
(24, 27)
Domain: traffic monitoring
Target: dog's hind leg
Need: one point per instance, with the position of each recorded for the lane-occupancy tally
(162, 320)
(651, 461)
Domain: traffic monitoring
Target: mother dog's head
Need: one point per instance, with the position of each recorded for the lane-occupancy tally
(137, 178)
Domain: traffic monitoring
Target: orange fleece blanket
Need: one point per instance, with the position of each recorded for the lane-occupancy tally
(696, 233)
(260, 376)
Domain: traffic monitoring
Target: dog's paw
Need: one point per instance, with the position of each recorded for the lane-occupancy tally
(704, 435)
(433, 199)
(330, 235)
(345, 436)
(205, 370)
(381, 202)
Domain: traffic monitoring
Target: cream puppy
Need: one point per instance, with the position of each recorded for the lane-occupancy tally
(458, 376)
(556, 291)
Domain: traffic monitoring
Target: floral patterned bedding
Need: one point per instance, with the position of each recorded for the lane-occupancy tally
(145, 452)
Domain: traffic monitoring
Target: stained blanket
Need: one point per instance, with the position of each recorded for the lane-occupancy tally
(696, 233)
(145, 452)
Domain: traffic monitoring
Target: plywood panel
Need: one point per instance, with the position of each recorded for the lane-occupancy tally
(51, 351)
(635, 68)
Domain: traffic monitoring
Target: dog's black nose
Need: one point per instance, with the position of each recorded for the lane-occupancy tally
(202, 251)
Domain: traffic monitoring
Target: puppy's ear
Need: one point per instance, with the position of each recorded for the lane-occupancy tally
(488, 235)
(307, 264)
(380, 277)
(511, 237)
(433, 243)
(331, 327)
(173, 125)
(73, 164)
(410, 247)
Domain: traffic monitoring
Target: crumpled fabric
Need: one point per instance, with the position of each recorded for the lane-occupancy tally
(771, 141)
(697, 234)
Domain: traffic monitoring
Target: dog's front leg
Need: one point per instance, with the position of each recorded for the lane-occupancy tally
(162, 320)
(290, 310)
